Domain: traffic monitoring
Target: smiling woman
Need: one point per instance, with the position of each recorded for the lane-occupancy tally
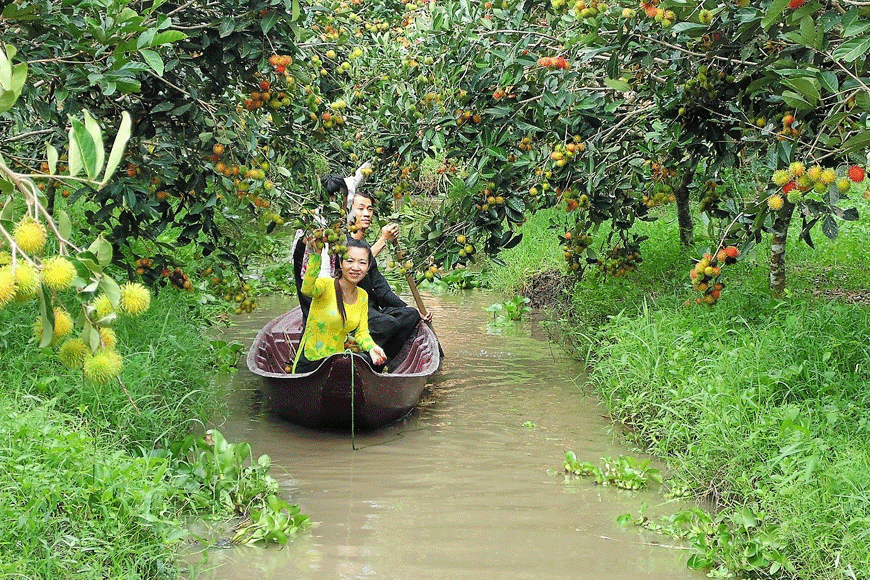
(338, 307)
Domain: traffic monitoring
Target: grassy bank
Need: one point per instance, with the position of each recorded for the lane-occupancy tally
(758, 404)
(99, 480)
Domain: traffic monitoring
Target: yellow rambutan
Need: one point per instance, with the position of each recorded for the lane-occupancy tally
(814, 173)
(102, 367)
(7, 285)
(27, 281)
(57, 272)
(30, 235)
(135, 299)
(63, 326)
(108, 338)
(828, 176)
(775, 202)
(5, 258)
(73, 352)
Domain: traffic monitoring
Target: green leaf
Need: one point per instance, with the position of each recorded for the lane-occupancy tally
(168, 37)
(268, 22)
(64, 224)
(806, 86)
(118, 146)
(797, 101)
(853, 49)
(111, 288)
(618, 85)
(52, 157)
(857, 142)
(102, 250)
(773, 13)
(294, 16)
(154, 61)
(828, 80)
(96, 133)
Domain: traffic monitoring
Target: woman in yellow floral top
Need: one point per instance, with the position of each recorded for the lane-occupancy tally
(338, 307)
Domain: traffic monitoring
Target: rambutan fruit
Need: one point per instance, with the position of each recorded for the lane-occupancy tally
(57, 272)
(103, 306)
(844, 184)
(814, 173)
(732, 251)
(775, 202)
(797, 169)
(828, 176)
(781, 177)
(794, 196)
(788, 187)
(857, 174)
(108, 338)
(721, 255)
(30, 235)
(26, 281)
(795, 4)
(102, 367)
(7, 285)
(135, 299)
(73, 352)
(63, 326)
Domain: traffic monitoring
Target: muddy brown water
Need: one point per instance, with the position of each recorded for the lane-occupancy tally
(468, 486)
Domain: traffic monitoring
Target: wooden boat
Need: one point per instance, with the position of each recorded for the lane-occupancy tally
(322, 398)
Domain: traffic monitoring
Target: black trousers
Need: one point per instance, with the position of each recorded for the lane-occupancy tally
(392, 326)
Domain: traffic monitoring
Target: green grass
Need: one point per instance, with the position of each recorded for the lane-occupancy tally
(168, 371)
(759, 404)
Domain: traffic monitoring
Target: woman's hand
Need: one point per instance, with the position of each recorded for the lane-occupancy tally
(378, 355)
(314, 245)
(427, 318)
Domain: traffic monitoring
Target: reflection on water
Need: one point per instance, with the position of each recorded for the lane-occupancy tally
(468, 486)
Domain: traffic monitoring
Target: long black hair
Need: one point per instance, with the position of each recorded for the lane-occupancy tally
(339, 294)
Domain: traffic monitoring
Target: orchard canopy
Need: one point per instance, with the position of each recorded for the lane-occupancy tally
(747, 113)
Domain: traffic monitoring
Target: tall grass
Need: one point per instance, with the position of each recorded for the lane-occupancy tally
(166, 384)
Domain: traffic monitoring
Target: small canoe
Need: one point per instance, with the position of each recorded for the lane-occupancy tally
(322, 398)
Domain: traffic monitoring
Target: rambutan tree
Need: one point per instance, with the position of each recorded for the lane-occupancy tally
(75, 297)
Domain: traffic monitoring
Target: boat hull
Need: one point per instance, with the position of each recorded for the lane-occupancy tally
(324, 397)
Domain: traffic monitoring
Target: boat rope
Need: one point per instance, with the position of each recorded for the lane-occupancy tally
(349, 353)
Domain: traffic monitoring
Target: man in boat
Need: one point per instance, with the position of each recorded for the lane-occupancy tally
(391, 320)
(342, 190)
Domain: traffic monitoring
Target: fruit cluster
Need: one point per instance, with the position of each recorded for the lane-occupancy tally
(463, 116)
(662, 194)
(710, 199)
(235, 291)
(553, 62)
(703, 88)
(563, 153)
(790, 129)
(574, 200)
(264, 95)
(144, 264)
(280, 62)
(620, 260)
(798, 180)
(575, 245)
(705, 274)
(178, 278)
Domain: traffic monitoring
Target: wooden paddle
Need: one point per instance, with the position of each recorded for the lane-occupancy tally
(416, 293)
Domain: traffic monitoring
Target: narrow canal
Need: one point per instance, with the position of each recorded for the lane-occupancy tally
(468, 486)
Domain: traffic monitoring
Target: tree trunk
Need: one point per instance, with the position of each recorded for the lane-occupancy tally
(684, 214)
(777, 249)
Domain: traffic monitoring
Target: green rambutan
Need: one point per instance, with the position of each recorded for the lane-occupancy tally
(135, 299)
(63, 326)
(102, 367)
(73, 352)
(57, 272)
(103, 306)
(781, 177)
